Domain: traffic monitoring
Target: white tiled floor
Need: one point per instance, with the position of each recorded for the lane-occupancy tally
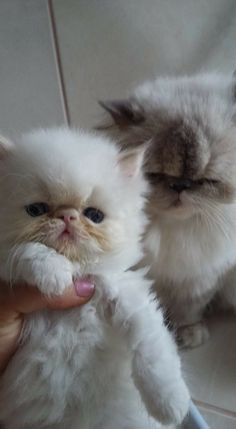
(219, 421)
(216, 420)
(105, 47)
(211, 369)
(210, 372)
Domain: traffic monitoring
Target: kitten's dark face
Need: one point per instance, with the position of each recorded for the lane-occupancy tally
(190, 127)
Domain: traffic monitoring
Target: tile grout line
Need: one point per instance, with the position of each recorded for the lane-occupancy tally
(57, 56)
(209, 407)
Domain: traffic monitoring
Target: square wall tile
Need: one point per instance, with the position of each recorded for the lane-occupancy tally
(29, 90)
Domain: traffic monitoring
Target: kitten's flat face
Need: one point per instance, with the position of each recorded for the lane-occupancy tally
(73, 226)
(190, 124)
(71, 193)
(185, 173)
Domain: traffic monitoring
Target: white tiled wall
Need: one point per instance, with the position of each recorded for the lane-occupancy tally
(58, 57)
(107, 46)
(29, 91)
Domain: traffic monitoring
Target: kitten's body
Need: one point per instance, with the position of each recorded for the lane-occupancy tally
(192, 266)
(79, 368)
(190, 125)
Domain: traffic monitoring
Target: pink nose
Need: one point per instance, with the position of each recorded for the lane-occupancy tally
(68, 215)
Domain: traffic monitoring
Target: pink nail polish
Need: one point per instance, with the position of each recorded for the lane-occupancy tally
(84, 288)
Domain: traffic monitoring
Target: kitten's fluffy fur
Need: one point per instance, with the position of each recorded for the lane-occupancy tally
(79, 368)
(190, 124)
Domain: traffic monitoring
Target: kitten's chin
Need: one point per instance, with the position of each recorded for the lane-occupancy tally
(181, 208)
(66, 244)
(180, 212)
(176, 210)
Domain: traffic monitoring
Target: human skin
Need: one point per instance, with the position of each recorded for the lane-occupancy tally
(17, 302)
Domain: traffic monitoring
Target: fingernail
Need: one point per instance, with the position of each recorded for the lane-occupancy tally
(84, 288)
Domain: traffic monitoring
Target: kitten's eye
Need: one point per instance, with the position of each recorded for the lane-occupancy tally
(207, 181)
(211, 181)
(153, 177)
(95, 215)
(37, 209)
(200, 182)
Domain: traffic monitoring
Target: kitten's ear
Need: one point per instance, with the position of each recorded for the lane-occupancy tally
(6, 147)
(131, 161)
(123, 112)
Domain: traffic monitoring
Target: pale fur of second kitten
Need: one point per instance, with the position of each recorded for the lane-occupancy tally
(111, 363)
(190, 244)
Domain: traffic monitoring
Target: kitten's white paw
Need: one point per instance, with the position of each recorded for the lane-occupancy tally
(176, 405)
(161, 387)
(171, 407)
(193, 335)
(55, 277)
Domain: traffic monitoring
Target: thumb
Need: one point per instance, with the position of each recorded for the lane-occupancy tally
(26, 299)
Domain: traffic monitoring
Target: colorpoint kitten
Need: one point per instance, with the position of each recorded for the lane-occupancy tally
(72, 205)
(190, 124)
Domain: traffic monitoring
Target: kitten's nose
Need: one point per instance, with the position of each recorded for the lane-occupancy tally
(180, 185)
(68, 215)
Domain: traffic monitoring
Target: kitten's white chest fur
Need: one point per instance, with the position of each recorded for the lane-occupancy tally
(188, 250)
(191, 262)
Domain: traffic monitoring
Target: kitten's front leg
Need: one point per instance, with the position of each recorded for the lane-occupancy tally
(157, 370)
(39, 265)
(185, 303)
(188, 317)
(156, 365)
(193, 333)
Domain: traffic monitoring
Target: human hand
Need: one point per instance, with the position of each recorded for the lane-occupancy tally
(16, 303)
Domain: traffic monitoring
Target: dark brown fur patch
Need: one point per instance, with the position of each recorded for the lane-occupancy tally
(174, 150)
(123, 112)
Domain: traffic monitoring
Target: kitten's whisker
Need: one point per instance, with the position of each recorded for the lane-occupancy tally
(213, 217)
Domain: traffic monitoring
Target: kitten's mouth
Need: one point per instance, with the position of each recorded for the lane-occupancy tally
(180, 201)
(179, 205)
(66, 234)
(176, 204)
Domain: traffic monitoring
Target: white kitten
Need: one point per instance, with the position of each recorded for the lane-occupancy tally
(190, 124)
(72, 205)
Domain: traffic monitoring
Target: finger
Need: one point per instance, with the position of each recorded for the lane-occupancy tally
(78, 294)
(26, 299)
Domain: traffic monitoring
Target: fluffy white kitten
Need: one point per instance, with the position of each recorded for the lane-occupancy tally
(190, 124)
(71, 205)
